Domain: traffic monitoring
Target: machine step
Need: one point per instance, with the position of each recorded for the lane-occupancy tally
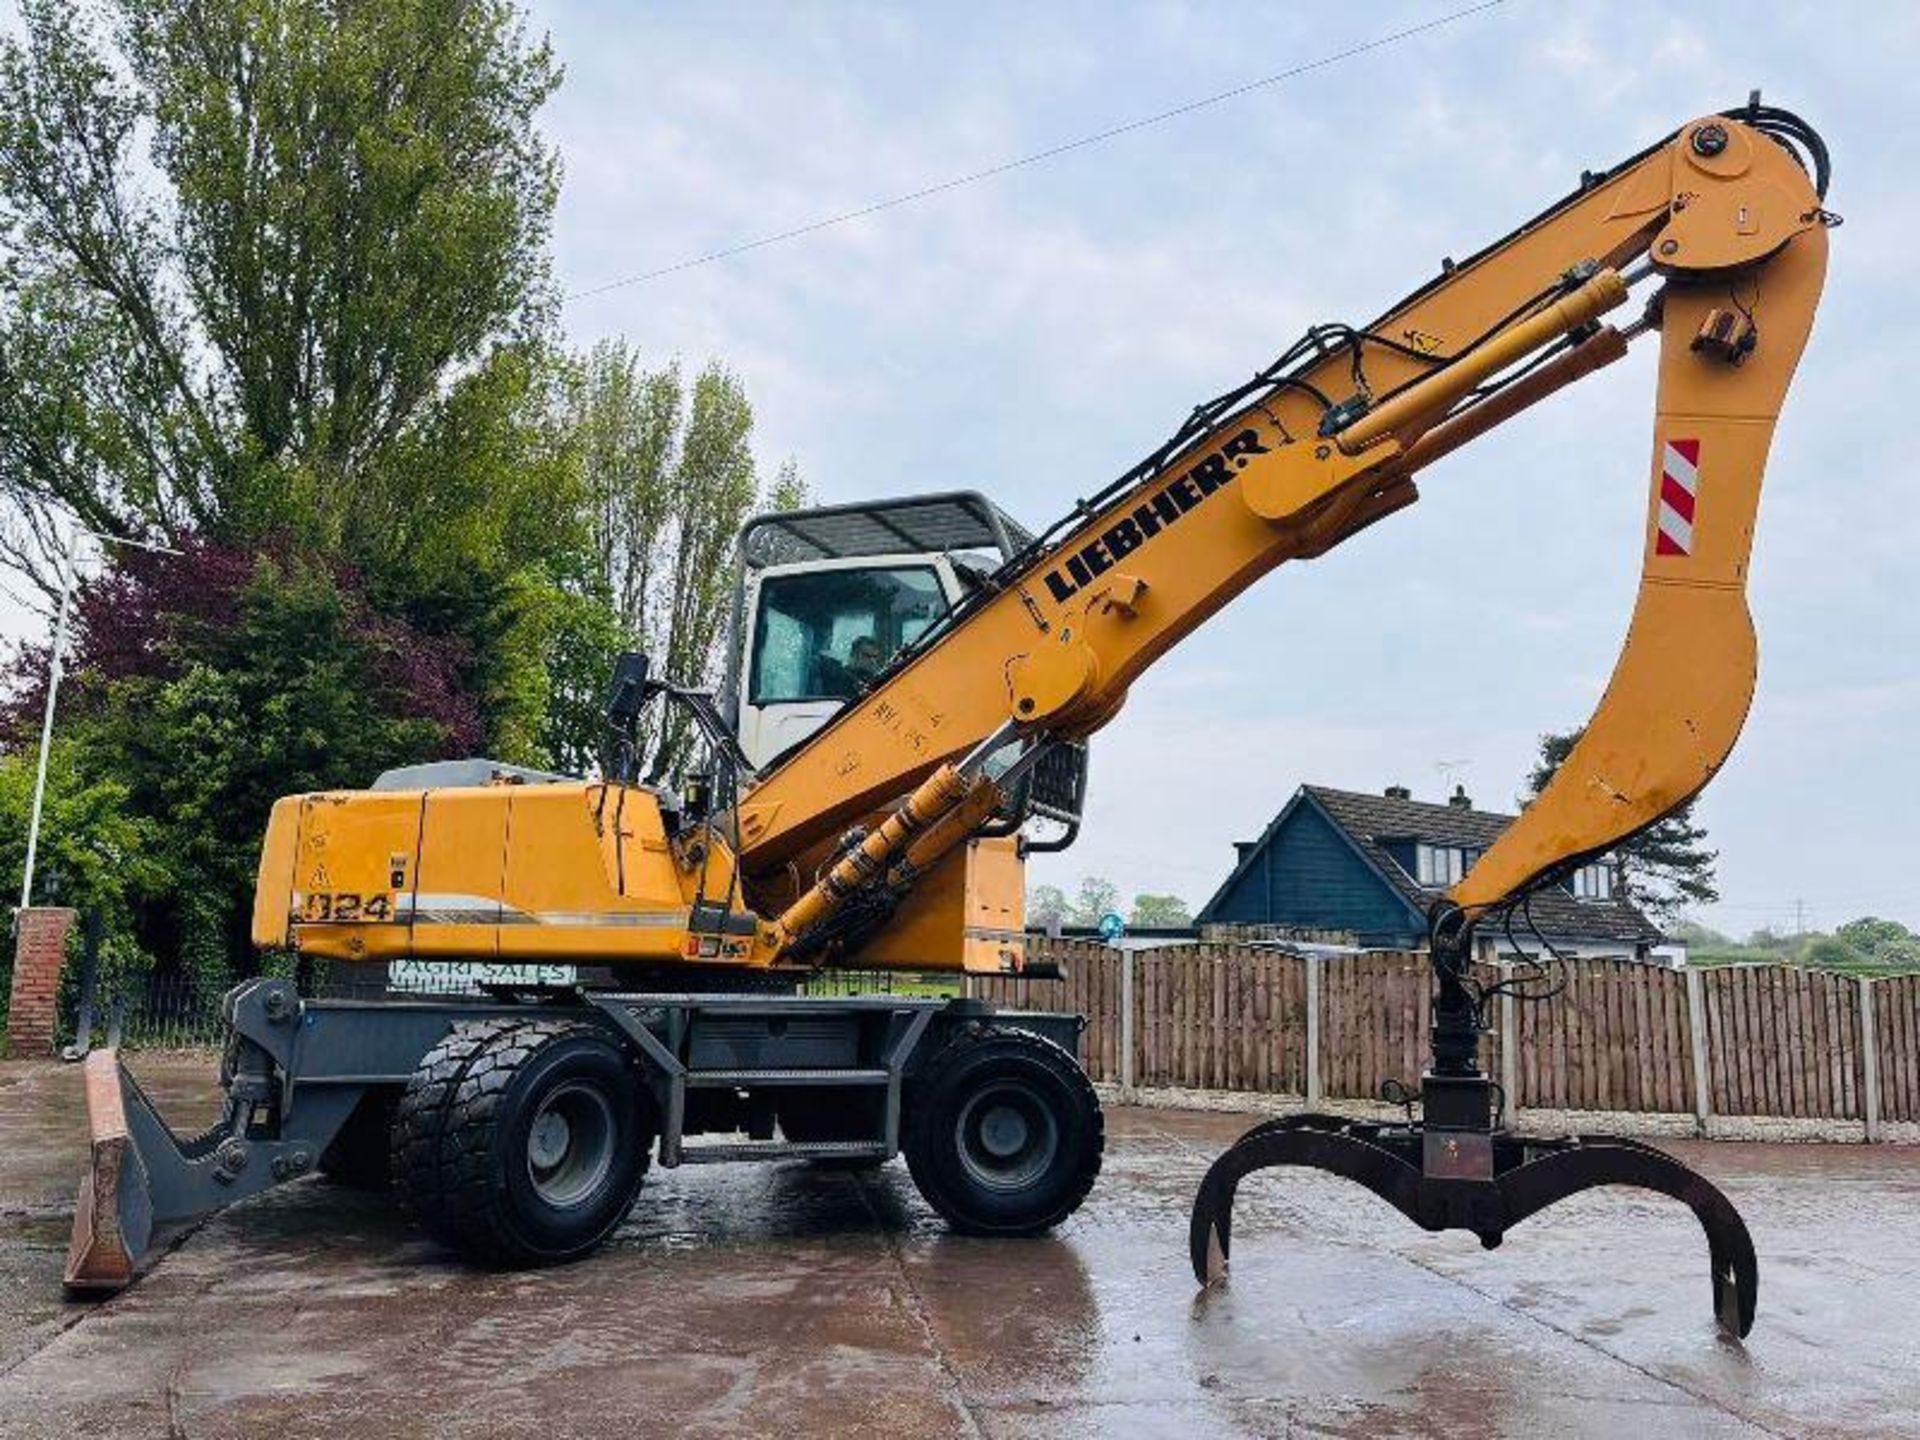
(750, 1079)
(782, 1149)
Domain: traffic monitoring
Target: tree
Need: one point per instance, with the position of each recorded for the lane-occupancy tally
(276, 270)
(208, 684)
(95, 853)
(1096, 897)
(1166, 911)
(1046, 906)
(274, 286)
(250, 246)
(1829, 952)
(1664, 868)
(669, 478)
(583, 641)
(1694, 935)
(1885, 942)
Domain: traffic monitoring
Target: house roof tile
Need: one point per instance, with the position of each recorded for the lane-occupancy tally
(1370, 820)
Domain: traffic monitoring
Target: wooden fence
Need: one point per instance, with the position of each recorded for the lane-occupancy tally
(1763, 1041)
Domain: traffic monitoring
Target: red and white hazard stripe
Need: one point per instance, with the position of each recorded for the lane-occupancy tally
(1679, 490)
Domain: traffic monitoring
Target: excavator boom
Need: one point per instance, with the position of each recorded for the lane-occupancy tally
(1729, 221)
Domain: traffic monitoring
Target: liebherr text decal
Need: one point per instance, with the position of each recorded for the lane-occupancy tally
(1151, 516)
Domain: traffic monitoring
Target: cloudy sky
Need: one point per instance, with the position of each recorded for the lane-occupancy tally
(1034, 334)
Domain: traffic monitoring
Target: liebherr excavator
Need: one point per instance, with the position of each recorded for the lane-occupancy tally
(910, 688)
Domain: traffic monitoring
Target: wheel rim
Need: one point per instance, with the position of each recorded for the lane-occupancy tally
(570, 1144)
(1006, 1137)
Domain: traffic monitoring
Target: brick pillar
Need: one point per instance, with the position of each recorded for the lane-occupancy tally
(39, 950)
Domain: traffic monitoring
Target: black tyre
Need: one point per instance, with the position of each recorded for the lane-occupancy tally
(522, 1142)
(359, 1157)
(1004, 1133)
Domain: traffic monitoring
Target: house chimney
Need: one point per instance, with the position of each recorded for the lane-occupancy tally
(1460, 800)
(1244, 848)
(1398, 792)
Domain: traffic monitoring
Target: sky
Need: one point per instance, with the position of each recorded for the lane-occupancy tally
(1034, 334)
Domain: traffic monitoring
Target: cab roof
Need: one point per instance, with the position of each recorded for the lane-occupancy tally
(913, 524)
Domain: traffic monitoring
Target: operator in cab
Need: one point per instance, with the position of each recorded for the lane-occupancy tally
(849, 678)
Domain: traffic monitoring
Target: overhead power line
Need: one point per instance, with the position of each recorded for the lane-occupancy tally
(1050, 153)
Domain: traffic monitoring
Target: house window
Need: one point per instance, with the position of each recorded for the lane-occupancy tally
(1437, 866)
(1593, 882)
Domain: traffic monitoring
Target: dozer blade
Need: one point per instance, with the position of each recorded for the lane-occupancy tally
(141, 1177)
(113, 1217)
(1522, 1177)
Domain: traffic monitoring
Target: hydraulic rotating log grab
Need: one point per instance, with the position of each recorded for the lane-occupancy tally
(1737, 235)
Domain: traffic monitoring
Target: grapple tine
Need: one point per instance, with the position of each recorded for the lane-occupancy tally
(1210, 1228)
(113, 1214)
(1606, 1160)
(1321, 1142)
(1216, 1257)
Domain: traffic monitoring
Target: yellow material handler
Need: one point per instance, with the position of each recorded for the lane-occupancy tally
(910, 692)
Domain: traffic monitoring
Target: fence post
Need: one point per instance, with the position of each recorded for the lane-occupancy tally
(1129, 961)
(1869, 1060)
(1697, 1034)
(1315, 964)
(1510, 1055)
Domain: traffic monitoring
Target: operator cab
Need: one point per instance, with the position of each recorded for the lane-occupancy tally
(827, 597)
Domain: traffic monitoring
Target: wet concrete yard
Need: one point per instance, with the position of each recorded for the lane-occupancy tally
(744, 1300)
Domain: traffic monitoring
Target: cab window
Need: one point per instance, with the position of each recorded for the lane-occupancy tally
(822, 636)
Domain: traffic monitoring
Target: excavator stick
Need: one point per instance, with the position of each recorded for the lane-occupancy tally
(1733, 215)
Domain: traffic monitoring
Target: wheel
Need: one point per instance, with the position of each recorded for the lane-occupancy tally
(522, 1142)
(1004, 1133)
(359, 1156)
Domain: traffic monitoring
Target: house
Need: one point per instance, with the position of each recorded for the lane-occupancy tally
(1371, 865)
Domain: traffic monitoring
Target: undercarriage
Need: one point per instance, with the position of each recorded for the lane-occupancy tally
(518, 1127)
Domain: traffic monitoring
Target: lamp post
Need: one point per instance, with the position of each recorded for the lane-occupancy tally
(69, 565)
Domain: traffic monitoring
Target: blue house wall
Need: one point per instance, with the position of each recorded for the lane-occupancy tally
(1306, 873)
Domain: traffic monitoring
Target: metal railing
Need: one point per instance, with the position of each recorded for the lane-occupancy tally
(146, 1012)
(174, 1010)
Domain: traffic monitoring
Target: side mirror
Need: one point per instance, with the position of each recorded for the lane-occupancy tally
(629, 693)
